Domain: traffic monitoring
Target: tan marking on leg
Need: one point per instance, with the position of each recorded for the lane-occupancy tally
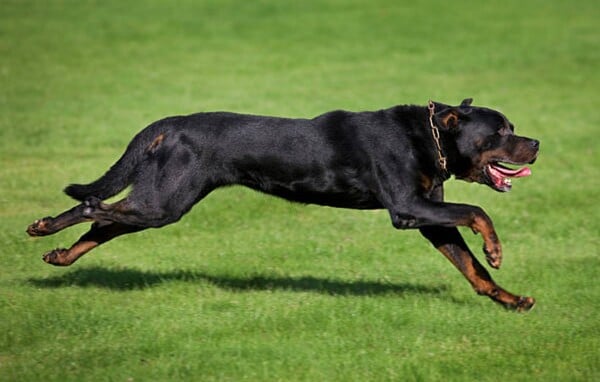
(492, 247)
(481, 280)
(93, 238)
(65, 257)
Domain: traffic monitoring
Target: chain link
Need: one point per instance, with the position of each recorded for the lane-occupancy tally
(436, 136)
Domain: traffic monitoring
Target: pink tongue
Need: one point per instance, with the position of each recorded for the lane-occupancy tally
(518, 173)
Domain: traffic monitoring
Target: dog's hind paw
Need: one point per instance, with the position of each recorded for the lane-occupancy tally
(39, 227)
(56, 257)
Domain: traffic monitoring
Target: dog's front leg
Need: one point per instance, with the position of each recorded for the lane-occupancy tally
(451, 244)
(421, 212)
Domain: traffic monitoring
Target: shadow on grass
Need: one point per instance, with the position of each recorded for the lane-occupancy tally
(131, 279)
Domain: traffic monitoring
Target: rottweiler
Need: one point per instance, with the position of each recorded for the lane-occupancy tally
(395, 159)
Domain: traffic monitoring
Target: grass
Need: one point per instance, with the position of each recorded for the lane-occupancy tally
(248, 287)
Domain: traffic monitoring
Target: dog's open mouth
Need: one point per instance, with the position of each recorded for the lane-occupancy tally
(501, 176)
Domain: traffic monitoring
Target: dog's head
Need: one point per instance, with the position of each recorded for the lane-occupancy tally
(481, 142)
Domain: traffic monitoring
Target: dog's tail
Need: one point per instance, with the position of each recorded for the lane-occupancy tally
(121, 174)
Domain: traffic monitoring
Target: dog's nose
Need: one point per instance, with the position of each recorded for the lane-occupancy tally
(535, 144)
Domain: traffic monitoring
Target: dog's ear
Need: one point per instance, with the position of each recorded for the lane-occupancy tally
(448, 118)
(466, 102)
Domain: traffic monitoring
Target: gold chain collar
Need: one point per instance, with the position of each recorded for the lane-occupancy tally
(436, 136)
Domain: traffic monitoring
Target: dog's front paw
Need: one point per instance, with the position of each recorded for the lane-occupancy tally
(39, 227)
(525, 304)
(493, 253)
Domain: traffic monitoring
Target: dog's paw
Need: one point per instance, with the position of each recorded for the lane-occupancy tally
(493, 254)
(39, 227)
(56, 257)
(525, 304)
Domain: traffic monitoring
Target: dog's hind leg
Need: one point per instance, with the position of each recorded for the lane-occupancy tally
(451, 244)
(112, 220)
(98, 234)
(79, 214)
(148, 209)
(50, 225)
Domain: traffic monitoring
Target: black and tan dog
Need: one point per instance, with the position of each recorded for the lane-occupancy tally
(396, 159)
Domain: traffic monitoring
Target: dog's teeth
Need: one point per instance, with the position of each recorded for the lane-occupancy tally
(507, 181)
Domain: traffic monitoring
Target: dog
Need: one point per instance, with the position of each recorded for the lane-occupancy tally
(395, 159)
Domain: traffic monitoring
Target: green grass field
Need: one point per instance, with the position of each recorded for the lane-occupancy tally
(249, 287)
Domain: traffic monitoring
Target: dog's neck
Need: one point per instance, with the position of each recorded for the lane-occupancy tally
(456, 164)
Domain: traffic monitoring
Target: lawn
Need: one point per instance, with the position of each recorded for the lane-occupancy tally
(249, 287)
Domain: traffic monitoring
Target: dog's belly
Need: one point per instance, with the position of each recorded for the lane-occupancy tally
(350, 198)
(324, 188)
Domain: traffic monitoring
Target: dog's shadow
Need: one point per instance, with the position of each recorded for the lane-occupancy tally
(124, 279)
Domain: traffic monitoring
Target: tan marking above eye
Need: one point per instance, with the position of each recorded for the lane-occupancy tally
(505, 130)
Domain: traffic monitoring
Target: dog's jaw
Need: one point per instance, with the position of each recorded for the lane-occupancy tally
(500, 177)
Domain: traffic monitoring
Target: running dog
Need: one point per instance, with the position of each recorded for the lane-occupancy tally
(395, 159)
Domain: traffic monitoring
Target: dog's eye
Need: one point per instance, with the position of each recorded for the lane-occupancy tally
(487, 144)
